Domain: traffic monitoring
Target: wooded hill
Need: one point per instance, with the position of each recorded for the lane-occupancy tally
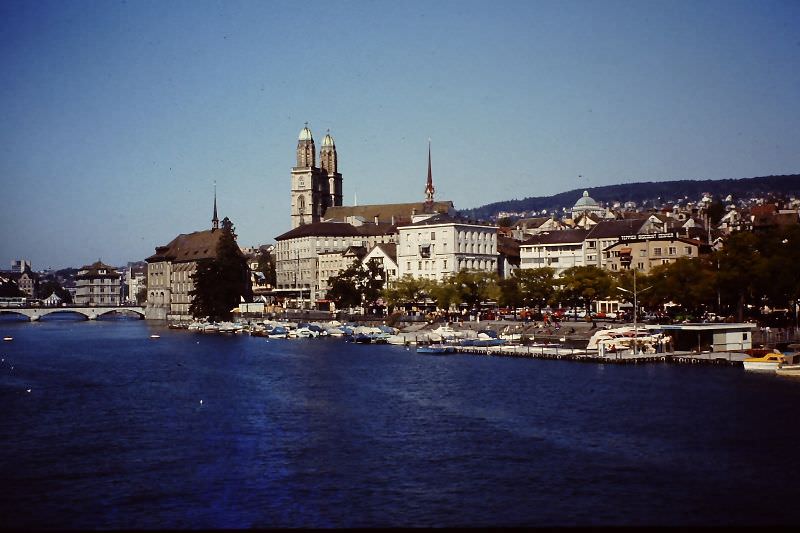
(648, 194)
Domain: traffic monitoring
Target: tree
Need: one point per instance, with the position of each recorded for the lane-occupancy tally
(585, 284)
(49, 286)
(407, 291)
(356, 285)
(266, 265)
(221, 282)
(536, 285)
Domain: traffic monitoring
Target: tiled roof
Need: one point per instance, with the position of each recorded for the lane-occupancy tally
(320, 229)
(93, 271)
(389, 250)
(507, 246)
(401, 213)
(188, 247)
(444, 218)
(616, 228)
(559, 237)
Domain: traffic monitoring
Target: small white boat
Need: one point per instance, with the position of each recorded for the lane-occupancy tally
(155, 336)
(789, 371)
(8, 339)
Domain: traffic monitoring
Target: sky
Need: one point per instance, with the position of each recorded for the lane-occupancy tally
(117, 117)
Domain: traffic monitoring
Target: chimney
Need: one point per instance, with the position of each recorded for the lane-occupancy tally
(376, 220)
(392, 220)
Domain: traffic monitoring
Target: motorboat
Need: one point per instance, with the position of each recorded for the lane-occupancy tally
(278, 332)
(789, 371)
(769, 362)
(303, 332)
(436, 349)
(446, 332)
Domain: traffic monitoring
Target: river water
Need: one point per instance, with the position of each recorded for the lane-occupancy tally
(203, 431)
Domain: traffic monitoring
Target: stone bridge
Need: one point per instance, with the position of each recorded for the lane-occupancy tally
(91, 313)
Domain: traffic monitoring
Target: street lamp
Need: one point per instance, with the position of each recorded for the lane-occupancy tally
(635, 307)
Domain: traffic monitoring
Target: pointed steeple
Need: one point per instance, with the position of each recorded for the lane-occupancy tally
(429, 190)
(215, 219)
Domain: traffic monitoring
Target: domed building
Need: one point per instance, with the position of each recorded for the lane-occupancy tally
(586, 205)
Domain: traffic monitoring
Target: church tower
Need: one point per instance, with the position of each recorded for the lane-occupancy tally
(429, 190)
(310, 194)
(215, 219)
(328, 162)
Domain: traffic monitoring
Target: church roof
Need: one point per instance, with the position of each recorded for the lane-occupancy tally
(188, 247)
(328, 141)
(400, 213)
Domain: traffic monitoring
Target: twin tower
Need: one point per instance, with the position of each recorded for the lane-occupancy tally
(314, 189)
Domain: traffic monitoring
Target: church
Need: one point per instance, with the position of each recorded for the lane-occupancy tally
(322, 225)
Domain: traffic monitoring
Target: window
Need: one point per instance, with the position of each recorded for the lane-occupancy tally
(425, 251)
(642, 253)
(433, 235)
(673, 250)
(657, 251)
(613, 266)
(590, 244)
(688, 250)
(640, 266)
(444, 264)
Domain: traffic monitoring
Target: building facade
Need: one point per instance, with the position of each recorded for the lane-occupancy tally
(558, 250)
(97, 284)
(441, 245)
(644, 252)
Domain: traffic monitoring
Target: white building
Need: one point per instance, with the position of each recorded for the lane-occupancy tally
(442, 245)
(558, 250)
(97, 284)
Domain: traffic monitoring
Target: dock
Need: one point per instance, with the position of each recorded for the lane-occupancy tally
(591, 356)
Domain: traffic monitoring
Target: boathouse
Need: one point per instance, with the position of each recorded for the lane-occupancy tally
(707, 337)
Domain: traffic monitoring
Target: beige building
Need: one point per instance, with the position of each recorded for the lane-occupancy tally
(97, 284)
(643, 252)
(170, 270)
(302, 254)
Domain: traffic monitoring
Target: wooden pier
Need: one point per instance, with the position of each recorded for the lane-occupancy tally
(589, 356)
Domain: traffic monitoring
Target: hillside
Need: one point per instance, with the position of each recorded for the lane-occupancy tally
(650, 193)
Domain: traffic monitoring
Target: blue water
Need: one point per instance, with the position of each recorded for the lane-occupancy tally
(323, 433)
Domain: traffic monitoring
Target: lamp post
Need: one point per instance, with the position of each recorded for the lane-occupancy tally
(635, 307)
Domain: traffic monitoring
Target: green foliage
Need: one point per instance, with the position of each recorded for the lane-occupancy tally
(536, 285)
(406, 291)
(357, 284)
(266, 265)
(585, 284)
(49, 286)
(220, 283)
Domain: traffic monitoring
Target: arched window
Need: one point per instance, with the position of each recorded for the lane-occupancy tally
(301, 204)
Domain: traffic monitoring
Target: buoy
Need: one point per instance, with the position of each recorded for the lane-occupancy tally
(29, 390)
(201, 402)
(155, 336)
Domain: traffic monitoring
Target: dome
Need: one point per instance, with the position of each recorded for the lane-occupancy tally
(305, 135)
(586, 201)
(328, 141)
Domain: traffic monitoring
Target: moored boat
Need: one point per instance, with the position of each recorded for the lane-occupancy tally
(769, 362)
(789, 371)
(436, 349)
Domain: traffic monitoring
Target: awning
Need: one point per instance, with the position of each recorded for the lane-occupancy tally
(625, 251)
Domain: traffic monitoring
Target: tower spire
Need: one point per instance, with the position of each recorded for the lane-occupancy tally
(214, 219)
(429, 190)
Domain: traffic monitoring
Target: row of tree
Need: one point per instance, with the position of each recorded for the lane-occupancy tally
(752, 271)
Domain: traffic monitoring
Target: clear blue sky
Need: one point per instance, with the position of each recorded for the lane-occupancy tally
(117, 117)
